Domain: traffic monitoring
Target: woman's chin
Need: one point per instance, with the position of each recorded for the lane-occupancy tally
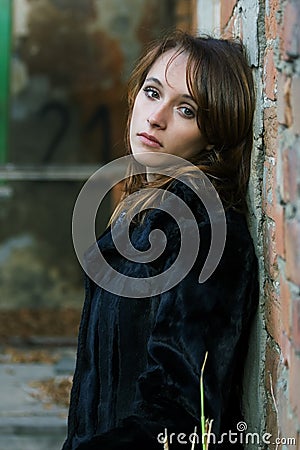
(152, 159)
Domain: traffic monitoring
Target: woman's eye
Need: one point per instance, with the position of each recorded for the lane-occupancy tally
(151, 92)
(187, 112)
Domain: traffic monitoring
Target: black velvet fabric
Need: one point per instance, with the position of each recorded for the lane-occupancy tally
(139, 359)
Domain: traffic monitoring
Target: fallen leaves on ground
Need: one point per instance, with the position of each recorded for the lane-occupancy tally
(14, 355)
(53, 390)
(39, 322)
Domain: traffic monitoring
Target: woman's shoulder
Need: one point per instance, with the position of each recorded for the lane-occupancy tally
(181, 200)
(184, 200)
(181, 205)
(214, 220)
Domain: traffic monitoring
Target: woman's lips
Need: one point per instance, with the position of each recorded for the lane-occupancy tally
(149, 140)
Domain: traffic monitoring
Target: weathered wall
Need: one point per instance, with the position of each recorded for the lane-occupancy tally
(281, 206)
(270, 29)
(70, 65)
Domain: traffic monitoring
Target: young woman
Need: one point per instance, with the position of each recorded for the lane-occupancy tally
(139, 361)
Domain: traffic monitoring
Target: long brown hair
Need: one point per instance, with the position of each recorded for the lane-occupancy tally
(220, 80)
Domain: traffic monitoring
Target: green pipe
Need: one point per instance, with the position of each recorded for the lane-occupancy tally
(5, 56)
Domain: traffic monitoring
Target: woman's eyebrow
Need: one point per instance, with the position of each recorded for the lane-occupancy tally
(155, 80)
(189, 97)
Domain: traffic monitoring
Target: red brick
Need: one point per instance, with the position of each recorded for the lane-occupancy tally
(286, 348)
(285, 301)
(295, 103)
(269, 187)
(279, 230)
(294, 396)
(292, 245)
(270, 131)
(284, 107)
(270, 20)
(290, 31)
(270, 74)
(273, 312)
(227, 7)
(270, 254)
(296, 325)
(290, 172)
(281, 78)
(271, 365)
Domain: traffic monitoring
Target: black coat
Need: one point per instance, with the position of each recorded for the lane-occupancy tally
(139, 359)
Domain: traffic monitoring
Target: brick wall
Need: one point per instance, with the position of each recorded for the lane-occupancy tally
(275, 198)
(270, 29)
(282, 209)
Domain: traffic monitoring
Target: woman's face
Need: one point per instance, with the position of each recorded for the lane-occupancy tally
(164, 114)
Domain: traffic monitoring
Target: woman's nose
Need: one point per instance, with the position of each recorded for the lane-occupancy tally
(158, 118)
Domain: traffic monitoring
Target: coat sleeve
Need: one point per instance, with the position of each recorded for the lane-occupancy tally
(193, 319)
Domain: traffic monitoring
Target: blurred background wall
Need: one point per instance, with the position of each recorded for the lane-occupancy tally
(63, 73)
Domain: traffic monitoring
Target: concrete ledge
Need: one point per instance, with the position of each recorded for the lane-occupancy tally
(32, 425)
